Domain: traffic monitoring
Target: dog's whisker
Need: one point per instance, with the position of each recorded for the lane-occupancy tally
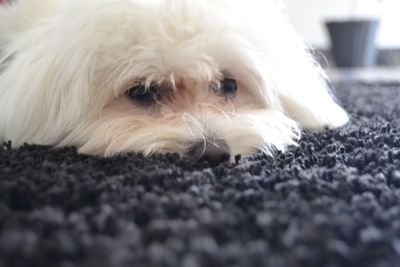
(172, 81)
(218, 109)
(187, 125)
(200, 131)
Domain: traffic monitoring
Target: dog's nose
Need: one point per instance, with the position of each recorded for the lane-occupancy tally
(214, 152)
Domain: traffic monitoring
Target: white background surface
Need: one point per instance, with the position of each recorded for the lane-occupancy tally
(308, 17)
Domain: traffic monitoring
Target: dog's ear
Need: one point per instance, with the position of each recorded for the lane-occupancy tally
(44, 88)
(291, 79)
(17, 17)
(300, 83)
(306, 97)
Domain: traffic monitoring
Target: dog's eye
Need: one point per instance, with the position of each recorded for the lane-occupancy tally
(228, 87)
(142, 94)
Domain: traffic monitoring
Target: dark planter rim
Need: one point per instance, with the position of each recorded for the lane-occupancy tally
(351, 21)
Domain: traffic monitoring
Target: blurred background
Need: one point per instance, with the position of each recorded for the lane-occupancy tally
(352, 38)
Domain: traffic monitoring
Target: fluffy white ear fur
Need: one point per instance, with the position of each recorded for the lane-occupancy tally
(298, 80)
(295, 82)
(17, 17)
(303, 91)
(53, 83)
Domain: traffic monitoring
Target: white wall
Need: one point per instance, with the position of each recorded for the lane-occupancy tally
(308, 16)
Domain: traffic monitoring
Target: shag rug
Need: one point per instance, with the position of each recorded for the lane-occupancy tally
(332, 201)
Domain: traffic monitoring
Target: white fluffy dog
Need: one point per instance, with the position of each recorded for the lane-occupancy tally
(208, 79)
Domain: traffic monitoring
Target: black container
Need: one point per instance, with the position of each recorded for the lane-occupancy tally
(354, 42)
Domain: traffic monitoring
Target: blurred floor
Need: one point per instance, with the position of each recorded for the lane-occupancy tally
(378, 74)
(387, 67)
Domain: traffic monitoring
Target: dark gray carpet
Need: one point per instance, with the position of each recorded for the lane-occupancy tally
(332, 201)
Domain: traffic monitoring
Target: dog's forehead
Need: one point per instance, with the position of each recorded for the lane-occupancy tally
(170, 21)
(200, 40)
(157, 42)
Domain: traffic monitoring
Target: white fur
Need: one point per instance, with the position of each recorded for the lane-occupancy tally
(68, 64)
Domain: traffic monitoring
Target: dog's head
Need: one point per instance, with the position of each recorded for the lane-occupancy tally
(209, 79)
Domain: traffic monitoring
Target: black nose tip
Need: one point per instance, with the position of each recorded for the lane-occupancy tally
(214, 152)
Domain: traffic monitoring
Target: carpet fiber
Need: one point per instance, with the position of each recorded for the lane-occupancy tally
(332, 201)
